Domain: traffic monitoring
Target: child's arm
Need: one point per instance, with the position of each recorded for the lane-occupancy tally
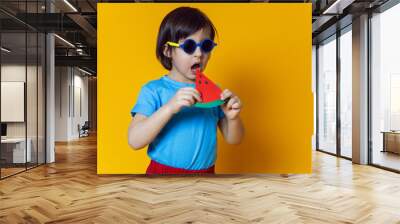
(231, 125)
(142, 130)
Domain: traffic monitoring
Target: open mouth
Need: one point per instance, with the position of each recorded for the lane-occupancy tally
(195, 66)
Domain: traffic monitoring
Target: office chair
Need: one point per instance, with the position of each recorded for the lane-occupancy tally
(84, 130)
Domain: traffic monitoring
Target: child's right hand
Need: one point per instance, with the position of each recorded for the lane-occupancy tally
(186, 96)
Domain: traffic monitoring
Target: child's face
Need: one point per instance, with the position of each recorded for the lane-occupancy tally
(185, 64)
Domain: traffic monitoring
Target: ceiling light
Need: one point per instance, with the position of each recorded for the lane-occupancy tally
(64, 40)
(84, 71)
(5, 50)
(337, 7)
(70, 5)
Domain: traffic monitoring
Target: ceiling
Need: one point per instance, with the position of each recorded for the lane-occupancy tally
(72, 20)
(333, 15)
(76, 22)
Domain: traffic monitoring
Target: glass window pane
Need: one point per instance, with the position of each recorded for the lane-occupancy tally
(14, 150)
(23, 88)
(346, 94)
(314, 78)
(386, 88)
(327, 96)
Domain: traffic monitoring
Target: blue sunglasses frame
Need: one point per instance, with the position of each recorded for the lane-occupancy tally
(200, 44)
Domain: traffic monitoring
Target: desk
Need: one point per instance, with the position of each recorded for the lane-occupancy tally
(391, 141)
(16, 147)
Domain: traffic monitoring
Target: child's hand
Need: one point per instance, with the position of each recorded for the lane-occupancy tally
(233, 106)
(184, 97)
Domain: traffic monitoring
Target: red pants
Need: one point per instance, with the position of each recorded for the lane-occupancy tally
(157, 168)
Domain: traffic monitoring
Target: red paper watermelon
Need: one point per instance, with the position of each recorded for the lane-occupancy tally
(209, 92)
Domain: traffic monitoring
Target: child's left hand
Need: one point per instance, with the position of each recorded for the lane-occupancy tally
(233, 106)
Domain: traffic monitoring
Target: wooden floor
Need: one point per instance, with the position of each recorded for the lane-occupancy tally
(5, 172)
(387, 159)
(8, 171)
(69, 191)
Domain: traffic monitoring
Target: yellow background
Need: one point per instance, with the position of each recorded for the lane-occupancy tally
(263, 55)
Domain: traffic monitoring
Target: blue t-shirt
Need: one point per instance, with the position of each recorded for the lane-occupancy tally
(189, 139)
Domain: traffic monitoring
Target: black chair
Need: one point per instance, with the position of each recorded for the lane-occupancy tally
(84, 130)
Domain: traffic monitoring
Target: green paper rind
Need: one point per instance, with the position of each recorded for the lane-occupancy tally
(209, 104)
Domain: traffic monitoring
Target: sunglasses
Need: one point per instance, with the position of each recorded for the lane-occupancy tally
(189, 46)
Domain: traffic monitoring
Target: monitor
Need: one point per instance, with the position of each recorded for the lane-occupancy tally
(3, 129)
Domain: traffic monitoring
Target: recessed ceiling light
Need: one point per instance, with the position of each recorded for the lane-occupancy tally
(84, 71)
(64, 40)
(337, 7)
(70, 5)
(5, 50)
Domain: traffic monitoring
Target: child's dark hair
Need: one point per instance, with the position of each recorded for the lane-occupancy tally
(178, 24)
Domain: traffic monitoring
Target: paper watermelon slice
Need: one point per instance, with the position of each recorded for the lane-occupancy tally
(209, 92)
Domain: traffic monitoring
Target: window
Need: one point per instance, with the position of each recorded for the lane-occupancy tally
(327, 95)
(346, 93)
(22, 78)
(385, 88)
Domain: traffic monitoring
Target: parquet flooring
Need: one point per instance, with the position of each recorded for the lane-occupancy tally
(70, 191)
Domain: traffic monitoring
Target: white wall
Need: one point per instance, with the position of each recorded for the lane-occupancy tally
(61, 103)
(80, 84)
(71, 87)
